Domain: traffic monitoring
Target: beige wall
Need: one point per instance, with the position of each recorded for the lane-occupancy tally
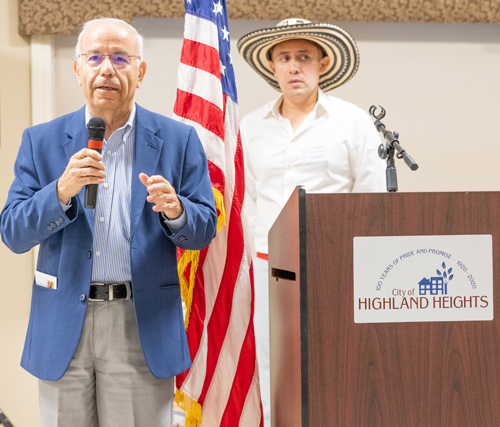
(438, 82)
(18, 389)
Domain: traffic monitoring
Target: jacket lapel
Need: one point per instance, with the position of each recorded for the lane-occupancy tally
(146, 155)
(76, 139)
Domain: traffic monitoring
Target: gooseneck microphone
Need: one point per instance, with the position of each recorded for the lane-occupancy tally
(96, 128)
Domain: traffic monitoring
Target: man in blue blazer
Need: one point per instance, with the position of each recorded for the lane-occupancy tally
(106, 333)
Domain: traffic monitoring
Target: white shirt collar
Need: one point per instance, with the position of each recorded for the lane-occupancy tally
(127, 127)
(320, 107)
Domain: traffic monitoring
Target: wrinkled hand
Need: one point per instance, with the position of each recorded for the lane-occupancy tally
(162, 194)
(84, 167)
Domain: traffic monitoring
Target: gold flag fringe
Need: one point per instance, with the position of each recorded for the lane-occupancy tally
(192, 408)
(188, 258)
(192, 259)
(219, 204)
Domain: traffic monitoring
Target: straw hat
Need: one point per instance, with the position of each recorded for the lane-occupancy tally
(336, 43)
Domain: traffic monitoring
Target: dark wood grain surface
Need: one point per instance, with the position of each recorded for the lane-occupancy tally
(288, 343)
(427, 374)
(439, 374)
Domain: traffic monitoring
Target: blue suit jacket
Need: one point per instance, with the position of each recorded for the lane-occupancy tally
(33, 216)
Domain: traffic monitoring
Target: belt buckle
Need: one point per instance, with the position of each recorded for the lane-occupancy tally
(129, 291)
(111, 288)
(98, 299)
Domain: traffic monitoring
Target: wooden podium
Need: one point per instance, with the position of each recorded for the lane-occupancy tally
(326, 370)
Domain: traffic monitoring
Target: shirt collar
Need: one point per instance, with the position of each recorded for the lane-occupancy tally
(274, 111)
(126, 128)
(320, 108)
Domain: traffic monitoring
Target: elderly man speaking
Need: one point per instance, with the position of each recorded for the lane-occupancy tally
(106, 334)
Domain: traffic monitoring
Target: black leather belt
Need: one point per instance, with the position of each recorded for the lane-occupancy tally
(110, 291)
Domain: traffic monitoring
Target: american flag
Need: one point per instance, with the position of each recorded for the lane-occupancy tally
(222, 386)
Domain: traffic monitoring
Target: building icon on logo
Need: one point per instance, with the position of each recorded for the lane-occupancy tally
(435, 286)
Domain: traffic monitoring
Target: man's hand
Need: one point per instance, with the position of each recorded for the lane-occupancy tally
(162, 194)
(84, 167)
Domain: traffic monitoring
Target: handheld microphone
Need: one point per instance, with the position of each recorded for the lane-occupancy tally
(96, 129)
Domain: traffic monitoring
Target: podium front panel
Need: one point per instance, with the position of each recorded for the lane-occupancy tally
(428, 374)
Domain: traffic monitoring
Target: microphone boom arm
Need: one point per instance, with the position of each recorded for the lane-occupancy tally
(387, 151)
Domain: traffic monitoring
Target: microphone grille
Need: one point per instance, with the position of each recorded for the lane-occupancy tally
(96, 128)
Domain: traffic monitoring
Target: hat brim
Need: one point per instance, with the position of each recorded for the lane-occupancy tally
(337, 43)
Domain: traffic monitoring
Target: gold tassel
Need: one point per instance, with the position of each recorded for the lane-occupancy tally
(192, 408)
(219, 204)
(193, 258)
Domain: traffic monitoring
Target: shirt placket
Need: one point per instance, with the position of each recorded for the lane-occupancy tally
(103, 209)
(293, 155)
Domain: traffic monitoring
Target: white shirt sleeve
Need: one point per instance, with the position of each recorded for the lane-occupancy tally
(368, 168)
(175, 224)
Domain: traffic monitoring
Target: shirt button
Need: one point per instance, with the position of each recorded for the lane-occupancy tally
(106, 185)
(288, 167)
(101, 219)
(89, 255)
(83, 297)
(98, 253)
(109, 151)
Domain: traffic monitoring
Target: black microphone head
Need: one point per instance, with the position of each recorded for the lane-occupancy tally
(96, 128)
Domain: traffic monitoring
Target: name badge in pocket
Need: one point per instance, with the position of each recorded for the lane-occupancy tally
(316, 154)
(45, 280)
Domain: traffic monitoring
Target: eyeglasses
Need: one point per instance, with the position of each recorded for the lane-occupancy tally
(118, 60)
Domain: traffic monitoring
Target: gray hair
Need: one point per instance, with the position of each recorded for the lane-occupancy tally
(88, 24)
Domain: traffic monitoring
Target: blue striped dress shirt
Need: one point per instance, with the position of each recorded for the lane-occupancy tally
(111, 254)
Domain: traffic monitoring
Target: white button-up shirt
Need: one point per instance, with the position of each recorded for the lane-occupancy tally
(334, 150)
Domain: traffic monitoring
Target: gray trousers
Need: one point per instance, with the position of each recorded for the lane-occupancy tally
(108, 383)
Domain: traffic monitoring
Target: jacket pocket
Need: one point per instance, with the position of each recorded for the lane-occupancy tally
(169, 285)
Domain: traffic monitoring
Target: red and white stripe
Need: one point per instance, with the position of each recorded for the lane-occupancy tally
(224, 375)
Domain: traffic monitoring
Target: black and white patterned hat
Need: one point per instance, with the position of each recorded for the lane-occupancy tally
(336, 43)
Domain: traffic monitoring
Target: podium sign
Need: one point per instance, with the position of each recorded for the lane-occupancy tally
(429, 359)
(423, 278)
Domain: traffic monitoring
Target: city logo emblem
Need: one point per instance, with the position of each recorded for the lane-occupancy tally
(423, 278)
(436, 285)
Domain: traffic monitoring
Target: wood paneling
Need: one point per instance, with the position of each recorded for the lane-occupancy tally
(429, 374)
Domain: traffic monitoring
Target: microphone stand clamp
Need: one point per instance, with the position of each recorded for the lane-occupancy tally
(386, 151)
